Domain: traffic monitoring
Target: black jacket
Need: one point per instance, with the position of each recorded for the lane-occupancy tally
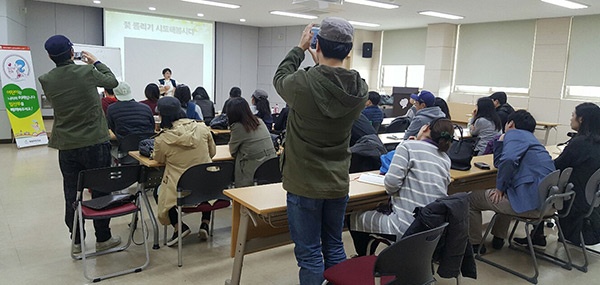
(207, 107)
(360, 128)
(129, 117)
(503, 111)
(454, 251)
(584, 156)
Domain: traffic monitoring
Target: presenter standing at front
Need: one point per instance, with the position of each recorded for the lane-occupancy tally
(324, 101)
(167, 84)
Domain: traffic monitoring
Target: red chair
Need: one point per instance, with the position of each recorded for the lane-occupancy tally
(108, 180)
(406, 262)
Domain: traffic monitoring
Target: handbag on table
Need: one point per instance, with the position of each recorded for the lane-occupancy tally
(461, 151)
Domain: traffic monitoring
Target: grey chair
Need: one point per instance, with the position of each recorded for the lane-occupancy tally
(554, 191)
(405, 262)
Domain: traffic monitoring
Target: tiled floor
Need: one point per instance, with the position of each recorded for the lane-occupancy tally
(35, 242)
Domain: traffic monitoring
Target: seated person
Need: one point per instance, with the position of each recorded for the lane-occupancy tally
(419, 174)
(181, 144)
(280, 122)
(360, 128)
(208, 107)
(152, 95)
(109, 98)
(440, 102)
(250, 141)
(234, 92)
(426, 112)
(193, 111)
(126, 117)
(372, 111)
(260, 101)
(485, 124)
(522, 163)
(583, 155)
(503, 109)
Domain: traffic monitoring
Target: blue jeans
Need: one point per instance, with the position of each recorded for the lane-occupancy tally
(73, 161)
(316, 228)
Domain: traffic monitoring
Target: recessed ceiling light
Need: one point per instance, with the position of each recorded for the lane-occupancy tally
(213, 3)
(567, 4)
(200, 15)
(355, 23)
(373, 4)
(295, 15)
(151, 8)
(97, 2)
(441, 15)
(242, 20)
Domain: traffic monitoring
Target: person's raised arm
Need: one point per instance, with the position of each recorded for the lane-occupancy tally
(102, 75)
(284, 80)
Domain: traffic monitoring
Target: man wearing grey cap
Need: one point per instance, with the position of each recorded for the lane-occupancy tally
(80, 132)
(324, 101)
(126, 116)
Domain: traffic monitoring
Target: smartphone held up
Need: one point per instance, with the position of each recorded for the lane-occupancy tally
(78, 56)
(313, 42)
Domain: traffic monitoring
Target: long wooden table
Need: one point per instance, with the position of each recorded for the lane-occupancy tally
(265, 206)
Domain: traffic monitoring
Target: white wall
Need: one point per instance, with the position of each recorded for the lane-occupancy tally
(80, 24)
(12, 32)
(236, 60)
(545, 100)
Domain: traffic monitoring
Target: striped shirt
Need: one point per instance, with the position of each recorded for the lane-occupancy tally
(419, 174)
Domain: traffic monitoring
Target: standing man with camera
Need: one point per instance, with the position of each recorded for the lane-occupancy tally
(80, 132)
(324, 101)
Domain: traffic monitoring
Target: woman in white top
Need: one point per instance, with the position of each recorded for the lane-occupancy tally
(419, 174)
(167, 84)
(485, 124)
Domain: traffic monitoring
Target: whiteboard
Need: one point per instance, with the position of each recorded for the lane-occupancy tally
(111, 56)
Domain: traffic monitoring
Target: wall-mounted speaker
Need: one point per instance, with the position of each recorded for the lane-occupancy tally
(367, 51)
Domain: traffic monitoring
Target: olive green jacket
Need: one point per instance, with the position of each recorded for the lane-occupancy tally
(250, 150)
(78, 117)
(324, 101)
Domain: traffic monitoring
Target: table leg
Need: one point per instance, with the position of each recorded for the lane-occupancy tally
(151, 216)
(548, 133)
(240, 247)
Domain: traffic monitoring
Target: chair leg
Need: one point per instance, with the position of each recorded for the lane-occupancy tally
(584, 249)
(212, 222)
(566, 264)
(179, 227)
(478, 256)
(165, 237)
(74, 230)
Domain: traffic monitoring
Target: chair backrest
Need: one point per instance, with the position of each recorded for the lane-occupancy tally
(398, 125)
(109, 179)
(204, 182)
(563, 186)
(547, 187)
(592, 190)
(268, 172)
(409, 259)
(132, 142)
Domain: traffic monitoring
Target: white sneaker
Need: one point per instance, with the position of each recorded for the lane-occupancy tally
(105, 245)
